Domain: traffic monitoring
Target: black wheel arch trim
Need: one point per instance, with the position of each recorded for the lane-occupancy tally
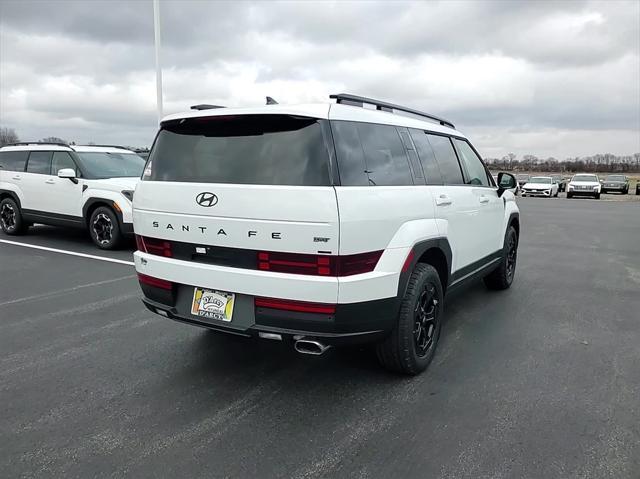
(12, 195)
(419, 249)
(88, 206)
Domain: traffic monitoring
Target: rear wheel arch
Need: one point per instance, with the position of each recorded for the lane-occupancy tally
(437, 253)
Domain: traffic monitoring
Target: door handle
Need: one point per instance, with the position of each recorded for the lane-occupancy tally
(17, 177)
(443, 200)
(50, 182)
(484, 199)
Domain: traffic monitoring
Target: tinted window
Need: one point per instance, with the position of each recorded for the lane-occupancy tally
(384, 154)
(447, 160)
(62, 159)
(476, 172)
(247, 149)
(427, 157)
(350, 155)
(111, 165)
(13, 160)
(39, 162)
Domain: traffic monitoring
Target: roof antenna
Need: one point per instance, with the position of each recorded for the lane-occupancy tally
(271, 101)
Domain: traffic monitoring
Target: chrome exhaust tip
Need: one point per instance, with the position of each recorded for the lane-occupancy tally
(308, 346)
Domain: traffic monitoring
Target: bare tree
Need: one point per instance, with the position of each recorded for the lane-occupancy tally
(53, 139)
(8, 135)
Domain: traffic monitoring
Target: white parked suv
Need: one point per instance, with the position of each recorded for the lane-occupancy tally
(320, 224)
(68, 185)
(546, 186)
(584, 185)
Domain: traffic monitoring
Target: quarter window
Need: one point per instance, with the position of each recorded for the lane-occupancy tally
(447, 160)
(427, 157)
(476, 172)
(13, 160)
(39, 162)
(62, 159)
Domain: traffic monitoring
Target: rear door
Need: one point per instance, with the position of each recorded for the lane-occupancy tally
(258, 182)
(36, 180)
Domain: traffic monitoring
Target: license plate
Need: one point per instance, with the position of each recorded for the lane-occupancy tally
(212, 304)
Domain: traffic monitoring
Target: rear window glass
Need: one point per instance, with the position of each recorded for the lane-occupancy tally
(247, 149)
(13, 160)
(39, 162)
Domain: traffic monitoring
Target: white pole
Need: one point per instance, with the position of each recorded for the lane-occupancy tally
(156, 31)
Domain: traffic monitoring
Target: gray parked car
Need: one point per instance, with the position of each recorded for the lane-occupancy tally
(616, 183)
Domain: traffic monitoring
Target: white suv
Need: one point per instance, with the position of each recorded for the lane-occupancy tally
(320, 224)
(78, 186)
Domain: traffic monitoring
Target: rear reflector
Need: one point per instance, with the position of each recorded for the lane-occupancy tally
(407, 262)
(155, 282)
(154, 246)
(300, 306)
(318, 265)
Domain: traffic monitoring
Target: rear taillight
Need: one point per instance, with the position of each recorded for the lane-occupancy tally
(298, 306)
(318, 265)
(154, 246)
(155, 282)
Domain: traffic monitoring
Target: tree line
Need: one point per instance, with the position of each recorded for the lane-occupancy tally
(9, 135)
(604, 163)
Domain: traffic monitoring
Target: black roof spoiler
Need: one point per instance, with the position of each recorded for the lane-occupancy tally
(205, 106)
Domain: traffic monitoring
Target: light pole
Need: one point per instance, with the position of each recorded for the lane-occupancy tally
(156, 32)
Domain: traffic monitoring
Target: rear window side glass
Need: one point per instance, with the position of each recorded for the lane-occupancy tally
(385, 155)
(447, 160)
(413, 156)
(62, 159)
(40, 162)
(427, 157)
(476, 172)
(350, 156)
(13, 160)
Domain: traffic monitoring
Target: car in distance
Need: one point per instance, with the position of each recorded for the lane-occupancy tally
(616, 183)
(584, 184)
(540, 186)
(638, 187)
(88, 187)
(562, 182)
(522, 180)
(320, 224)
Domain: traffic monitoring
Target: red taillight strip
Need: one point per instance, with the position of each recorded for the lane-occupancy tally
(299, 306)
(154, 246)
(155, 282)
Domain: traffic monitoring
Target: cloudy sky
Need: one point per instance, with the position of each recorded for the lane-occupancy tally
(546, 78)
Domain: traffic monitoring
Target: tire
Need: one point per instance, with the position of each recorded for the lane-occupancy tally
(502, 277)
(604, 192)
(569, 195)
(412, 344)
(104, 228)
(597, 196)
(11, 220)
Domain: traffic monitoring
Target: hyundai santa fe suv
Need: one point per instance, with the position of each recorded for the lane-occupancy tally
(320, 225)
(88, 187)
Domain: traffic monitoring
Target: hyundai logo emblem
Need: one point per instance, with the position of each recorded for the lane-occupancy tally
(207, 199)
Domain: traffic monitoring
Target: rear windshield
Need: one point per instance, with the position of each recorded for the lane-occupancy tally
(247, 149)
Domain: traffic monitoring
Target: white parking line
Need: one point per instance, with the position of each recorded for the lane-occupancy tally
(72, 253)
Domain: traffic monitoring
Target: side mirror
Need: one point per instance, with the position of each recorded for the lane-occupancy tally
(506, 181)
(68, 173)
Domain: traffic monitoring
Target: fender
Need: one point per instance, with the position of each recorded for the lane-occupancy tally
(439, 245)
(98, 200)
(15, 195)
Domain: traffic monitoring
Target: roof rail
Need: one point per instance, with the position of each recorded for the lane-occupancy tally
(355, 100)
(108, 146)
(25, 143)
(205, 106)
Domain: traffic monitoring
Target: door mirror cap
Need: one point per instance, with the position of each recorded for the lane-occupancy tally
(506, 181)
(68, 173)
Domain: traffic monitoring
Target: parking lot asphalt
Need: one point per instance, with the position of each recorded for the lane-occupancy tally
(542, 380)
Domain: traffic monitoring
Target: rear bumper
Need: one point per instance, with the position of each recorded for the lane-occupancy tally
(351, 324)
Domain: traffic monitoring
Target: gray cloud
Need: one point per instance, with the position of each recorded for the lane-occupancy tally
(85, 69)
